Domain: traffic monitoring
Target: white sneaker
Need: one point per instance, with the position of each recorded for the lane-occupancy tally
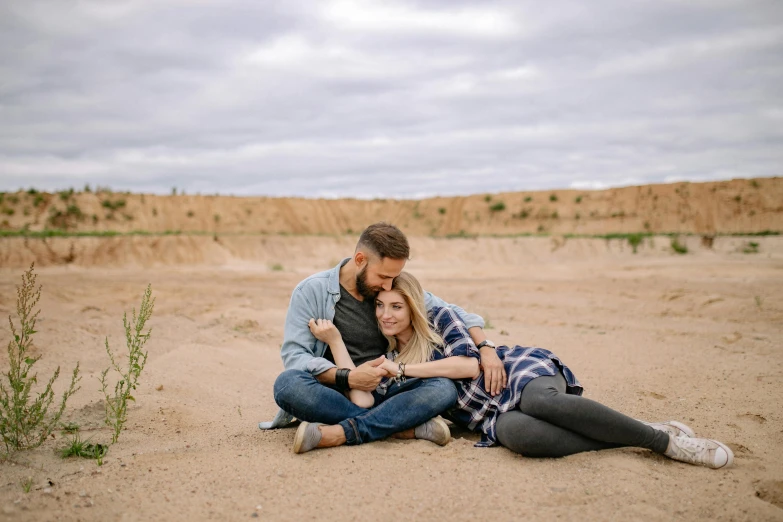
(673, 428)
(704, 452)
(435, 430)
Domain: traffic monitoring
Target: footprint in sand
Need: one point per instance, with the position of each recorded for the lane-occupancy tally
(754, 417)
(653, 395)
(770, 491)
(739, 449)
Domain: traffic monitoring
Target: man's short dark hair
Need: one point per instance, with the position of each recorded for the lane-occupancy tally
(385, 240)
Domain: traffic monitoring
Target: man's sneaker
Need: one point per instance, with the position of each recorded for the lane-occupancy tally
(673, 428)
(435, 430)
(704, 452)
(307, 437)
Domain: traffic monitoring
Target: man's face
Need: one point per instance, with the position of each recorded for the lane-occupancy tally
(377, 275)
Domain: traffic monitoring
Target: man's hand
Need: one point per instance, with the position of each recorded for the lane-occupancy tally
(324, 330)
(367, 375)
(494, 372)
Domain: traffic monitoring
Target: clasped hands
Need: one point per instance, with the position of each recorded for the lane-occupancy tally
(367, 375)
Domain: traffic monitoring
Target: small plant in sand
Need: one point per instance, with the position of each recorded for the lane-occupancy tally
(25, 419)
(678, 247)
(751, 247)
(85, 449)
(135, 337)
(635, 240)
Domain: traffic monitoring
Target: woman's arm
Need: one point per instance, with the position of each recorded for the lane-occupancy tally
(324, 330)
(456, 367)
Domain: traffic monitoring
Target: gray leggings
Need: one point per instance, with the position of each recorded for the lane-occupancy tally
(551, 423)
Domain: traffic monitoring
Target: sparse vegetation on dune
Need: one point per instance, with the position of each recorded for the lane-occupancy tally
(678, 207)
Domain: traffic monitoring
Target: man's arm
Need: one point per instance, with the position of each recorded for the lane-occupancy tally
(471, 320)
(299, 344)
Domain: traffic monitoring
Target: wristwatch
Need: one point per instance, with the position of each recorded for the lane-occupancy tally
(486, 342)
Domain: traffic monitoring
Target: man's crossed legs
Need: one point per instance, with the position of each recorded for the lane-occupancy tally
(404, 406)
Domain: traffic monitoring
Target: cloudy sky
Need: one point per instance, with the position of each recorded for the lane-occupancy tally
(387, 98)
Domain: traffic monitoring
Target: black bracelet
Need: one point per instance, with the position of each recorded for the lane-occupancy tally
(341, 379)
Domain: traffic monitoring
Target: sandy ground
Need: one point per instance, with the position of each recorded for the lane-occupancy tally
(695, 338)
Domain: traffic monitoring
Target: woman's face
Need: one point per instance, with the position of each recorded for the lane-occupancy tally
(393, 314)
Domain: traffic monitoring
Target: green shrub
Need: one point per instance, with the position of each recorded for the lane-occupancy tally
(113, 205)
(578, 199)
(497, 207)
(528, 199)
(442, 210)
(635, 240)
(487, 198)
(116, 406)
(26, 421)
(678, 247)
(751, 247)
(553, 197)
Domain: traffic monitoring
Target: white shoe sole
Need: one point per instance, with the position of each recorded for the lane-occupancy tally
(299, 437)
(445, 427)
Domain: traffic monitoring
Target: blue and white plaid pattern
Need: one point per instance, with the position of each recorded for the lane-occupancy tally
(476, 409)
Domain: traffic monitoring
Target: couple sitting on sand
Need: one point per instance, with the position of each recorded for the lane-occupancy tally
(368, 354)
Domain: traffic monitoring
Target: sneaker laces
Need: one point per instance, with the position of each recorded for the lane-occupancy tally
(691, 449)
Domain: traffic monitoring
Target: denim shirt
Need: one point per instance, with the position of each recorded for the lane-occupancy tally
(315, 298)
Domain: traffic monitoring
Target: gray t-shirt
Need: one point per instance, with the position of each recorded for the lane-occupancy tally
(357, 324)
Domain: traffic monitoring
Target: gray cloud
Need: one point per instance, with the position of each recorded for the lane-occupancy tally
(387, 99)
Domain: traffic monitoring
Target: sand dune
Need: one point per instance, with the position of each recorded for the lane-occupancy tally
(737, 206)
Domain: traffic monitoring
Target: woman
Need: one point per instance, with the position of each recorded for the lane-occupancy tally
(539, 414)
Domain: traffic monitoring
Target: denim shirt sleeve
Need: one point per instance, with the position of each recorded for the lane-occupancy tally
(470, 320)
(301, 350)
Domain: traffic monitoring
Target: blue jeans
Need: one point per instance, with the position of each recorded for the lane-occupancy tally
(404, 406)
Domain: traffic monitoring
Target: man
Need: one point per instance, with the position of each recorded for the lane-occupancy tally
(311, 388)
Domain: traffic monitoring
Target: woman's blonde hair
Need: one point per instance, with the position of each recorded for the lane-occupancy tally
(424, 339)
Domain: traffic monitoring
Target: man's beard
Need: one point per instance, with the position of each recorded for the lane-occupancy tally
(362, 287)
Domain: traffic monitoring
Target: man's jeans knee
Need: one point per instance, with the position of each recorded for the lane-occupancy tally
(300, 394)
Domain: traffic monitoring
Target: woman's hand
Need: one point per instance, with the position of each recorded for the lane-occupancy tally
(494, 372)
(324, 330)
(390, 367)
